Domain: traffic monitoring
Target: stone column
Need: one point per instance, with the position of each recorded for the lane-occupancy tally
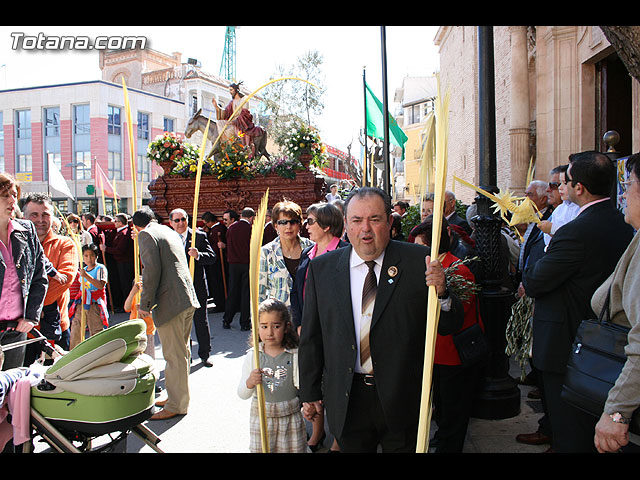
(519, 129)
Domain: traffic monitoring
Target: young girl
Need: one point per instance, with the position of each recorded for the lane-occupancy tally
(94, 275)
(131, 305)
(279, 378)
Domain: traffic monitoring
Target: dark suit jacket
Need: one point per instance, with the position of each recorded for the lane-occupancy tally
(269, 234)
(328, 351)
(533, 242)
(456, 219)
(121, 247)
(580, 256)
(207, 257)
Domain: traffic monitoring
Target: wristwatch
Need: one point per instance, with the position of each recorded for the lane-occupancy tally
(618, 418)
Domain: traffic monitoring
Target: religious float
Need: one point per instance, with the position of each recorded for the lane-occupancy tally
(233, 178)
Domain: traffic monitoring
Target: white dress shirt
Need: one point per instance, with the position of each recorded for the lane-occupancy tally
(358, 271)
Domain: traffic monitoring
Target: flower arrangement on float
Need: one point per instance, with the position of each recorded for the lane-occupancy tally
(235, 160)
(303, 138)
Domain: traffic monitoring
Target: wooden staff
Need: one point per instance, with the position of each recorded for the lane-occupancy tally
(76, 240)
(257, 232)
(433, 305)
(224, 277)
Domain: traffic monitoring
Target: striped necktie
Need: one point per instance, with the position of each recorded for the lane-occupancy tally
(368, 301)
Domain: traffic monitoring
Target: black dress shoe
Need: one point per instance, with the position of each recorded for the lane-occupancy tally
(206, 362)
(226, 326)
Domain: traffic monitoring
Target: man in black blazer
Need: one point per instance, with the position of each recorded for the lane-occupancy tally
(451, 215)
(377, 403)
(203, 255)
(218, 272)
(580, 256)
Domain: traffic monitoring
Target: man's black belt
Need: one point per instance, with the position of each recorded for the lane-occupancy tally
(365, 378)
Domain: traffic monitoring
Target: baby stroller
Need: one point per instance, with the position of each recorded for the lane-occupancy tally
(104, 387)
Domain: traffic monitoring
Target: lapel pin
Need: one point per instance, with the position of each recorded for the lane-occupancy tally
(390, 281)
(392, 272)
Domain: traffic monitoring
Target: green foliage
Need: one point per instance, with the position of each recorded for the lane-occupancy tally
(461, 209)
(410, 220)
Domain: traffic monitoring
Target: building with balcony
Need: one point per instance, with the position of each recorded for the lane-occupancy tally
(82, 125)
(415, 100)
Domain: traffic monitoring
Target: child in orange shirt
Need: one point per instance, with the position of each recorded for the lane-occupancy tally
(131, 305)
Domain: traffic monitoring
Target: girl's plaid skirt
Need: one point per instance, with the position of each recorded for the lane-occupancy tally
(285, 427)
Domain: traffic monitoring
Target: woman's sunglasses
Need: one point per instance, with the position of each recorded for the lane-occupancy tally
(293, 221)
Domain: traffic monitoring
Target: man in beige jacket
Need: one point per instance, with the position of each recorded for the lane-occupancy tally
(168, 293)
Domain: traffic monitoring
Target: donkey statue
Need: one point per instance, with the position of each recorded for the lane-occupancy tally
(198, 122)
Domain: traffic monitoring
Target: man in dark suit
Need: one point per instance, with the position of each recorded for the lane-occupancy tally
(580, 256)
(451, 215)
(216, 232)
(269, 234)
(371, 379)
(237, 247)
(203, 256)
(546, 198)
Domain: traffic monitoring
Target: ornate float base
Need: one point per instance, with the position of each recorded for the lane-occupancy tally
(216, 196)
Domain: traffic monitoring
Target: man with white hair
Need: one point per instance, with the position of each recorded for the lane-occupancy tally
(203, 254)
(537, 193)
(450, 212)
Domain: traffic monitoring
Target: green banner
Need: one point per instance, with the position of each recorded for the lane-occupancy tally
(375, 122)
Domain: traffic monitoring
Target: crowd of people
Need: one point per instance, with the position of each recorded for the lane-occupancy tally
(343, 297)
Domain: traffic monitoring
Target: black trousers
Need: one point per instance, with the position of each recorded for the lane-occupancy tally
(573, 429)
(126, 273)
(453, 391)
(49, 327)
(216, 284)
(365, 428)
(201, 326)
(13, 358)
(238, 298)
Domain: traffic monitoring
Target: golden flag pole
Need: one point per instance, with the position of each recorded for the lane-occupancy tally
(433, 306)
(115, 195)
(257, 231)
(132, 157)
(104, 205)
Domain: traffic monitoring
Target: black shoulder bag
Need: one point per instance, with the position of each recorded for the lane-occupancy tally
(471, 343)
(595, 363)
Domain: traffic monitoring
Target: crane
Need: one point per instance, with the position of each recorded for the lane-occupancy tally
(228, 64)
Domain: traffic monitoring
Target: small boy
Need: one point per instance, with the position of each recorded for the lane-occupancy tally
(94, 276)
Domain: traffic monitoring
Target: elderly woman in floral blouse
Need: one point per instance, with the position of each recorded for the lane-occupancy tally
(280, 258)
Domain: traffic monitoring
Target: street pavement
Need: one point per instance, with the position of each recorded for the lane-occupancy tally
(218, 420)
